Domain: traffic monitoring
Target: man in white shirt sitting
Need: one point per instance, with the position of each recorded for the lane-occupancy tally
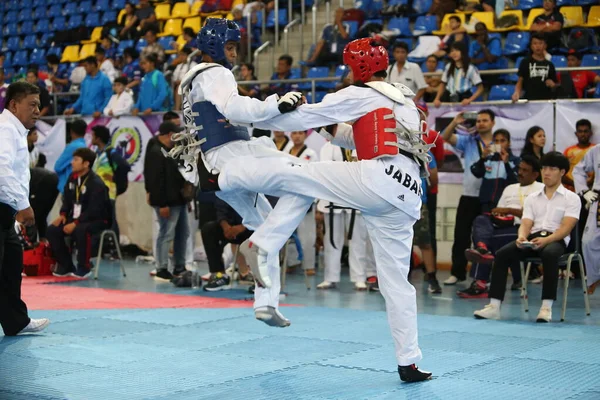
(492, 232)
(549, 216)
(405, 72)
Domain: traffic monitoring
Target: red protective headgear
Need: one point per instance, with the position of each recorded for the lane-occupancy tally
(365, 57)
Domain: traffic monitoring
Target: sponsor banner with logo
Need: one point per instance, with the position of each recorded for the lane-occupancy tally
(567, 115)
(51, 140)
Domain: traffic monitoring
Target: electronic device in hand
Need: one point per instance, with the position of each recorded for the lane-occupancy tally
(470, 115)
(496, 148)
(528, 245)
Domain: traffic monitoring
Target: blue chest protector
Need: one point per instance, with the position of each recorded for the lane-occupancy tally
(212, 127)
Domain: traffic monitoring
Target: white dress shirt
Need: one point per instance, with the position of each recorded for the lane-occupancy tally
(14, 162)
(120, 104)
(547, 214)
(410, 75)
(513, 196)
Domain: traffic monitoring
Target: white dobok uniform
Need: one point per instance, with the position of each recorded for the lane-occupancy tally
(307, 230)
(387, 190)
(360, 257)
(590, 242)
(217, 85)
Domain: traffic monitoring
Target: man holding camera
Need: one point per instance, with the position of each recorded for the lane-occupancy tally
(549, 216)
(469, 206)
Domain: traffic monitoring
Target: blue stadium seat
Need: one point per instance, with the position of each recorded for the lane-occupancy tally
(559, 61)
(282, 18)
(258, 20)
(560, 3)
(13, 5)
(20, 59)
(7, 60)
(123, 45)
(166, 41)
(70, 9)
(109, 16)
(597, 92)
(11, 29)
(85, 7)
(92, 20)
(42, 26)
(11, 16)
(516, 43)
(45, 40)
(587, 2)
(422, 6)
(440, 65)
(318, 97)
(39, 13)
(30, 42)
(590, 60)
(54, 50)
(140, 45)
(24, 15)
(402, 24)
(102, 5)
(528, 4)
(9, 72)
(55, 11)
(119, 4)
(408, 42)
(315, 72)
(397, 2)
(514, 77)
(13, 43)
(425, 24)
(501, 92)
(59, 24)
(39, 3)
(341, 70)
(25, 4)
(352, 28)
(38, 57)
(75, 21)
(26, 27)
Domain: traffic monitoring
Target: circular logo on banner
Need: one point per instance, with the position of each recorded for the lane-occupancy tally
(127, 141)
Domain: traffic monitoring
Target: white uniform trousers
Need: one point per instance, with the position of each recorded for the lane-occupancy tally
(307, 234)
(271, 227)
(360, 257)
(591, 245)
(390, 228)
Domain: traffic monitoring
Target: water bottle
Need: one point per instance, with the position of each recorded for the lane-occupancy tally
(196, 279)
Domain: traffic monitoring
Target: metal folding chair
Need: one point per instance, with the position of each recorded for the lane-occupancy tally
(99, 260)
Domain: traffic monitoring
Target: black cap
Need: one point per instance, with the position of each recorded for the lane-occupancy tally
(167, 127)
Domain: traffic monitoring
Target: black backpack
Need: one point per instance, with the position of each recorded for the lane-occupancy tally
(580, 39)
(120, 169)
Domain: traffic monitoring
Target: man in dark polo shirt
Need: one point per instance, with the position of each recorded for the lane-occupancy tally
(550, 24)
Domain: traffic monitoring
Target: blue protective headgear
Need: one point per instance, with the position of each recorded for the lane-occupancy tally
(213, 36)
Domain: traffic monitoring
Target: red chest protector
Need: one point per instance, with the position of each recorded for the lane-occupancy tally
(374, 135)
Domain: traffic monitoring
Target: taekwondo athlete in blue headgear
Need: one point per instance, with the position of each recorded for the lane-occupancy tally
(216, 115)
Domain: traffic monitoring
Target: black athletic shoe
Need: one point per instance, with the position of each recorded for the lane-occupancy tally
(83, 272)
(62, 272)
(163, 274)
(411, 373)
(434, 286)
(178, 271)
(373, 283)
(218, 281)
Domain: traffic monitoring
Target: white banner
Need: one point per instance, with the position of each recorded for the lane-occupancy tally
(51, 140)
(567, 115)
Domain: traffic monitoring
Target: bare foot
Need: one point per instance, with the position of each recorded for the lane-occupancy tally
(592, 288)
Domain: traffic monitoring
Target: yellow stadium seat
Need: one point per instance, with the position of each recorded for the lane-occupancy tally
(194, 23)
(446, 22)
(573, 16)
(95, 36)
(87, 50)
(229, 16)
(180, 10)
(195, 10)
(487, 17)
(593, 20)
(172, 28)
(70, 54)
(237, 3)
(162, 11)
(180, 42)
(518, 27)
(533, 14)
(122, 14)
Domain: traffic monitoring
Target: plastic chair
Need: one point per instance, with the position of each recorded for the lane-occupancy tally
(39, 3)
(444, 27)
(39, 13)
(593, 20)
(38, 57)
(402, 24)
(13, 43)
(487, 17)
(162, 11)
(58, 24)
(561, 3)
(573, 16)
(55, 11)
(559, 61)
(422, 6)
(11, 29)
(180, 10)
(11, 16)
(108, 17)
(590, 60)
(514, 77)
(102, 5)
(95, 36)
(314, 72)
(25, 15)
(192, 22)
(565, 260)
(56, 51)
(113, 235)
(118, 4)
(87, 50)
(46, 40)
(70, 54)
(425, 24)
(319, 95)
(516, 43)
(30, 42)
(173, 27)
(20, 59)
(165, 42)
(70, 9)
(141, 43)
(533, 14)
(123, 45)
(501, 92)
(282, 18)
(195, 8)
(75, 21)
(92, 20)
(528, 4)
(85, 7)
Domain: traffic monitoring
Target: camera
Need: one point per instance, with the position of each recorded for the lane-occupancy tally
(470, 115)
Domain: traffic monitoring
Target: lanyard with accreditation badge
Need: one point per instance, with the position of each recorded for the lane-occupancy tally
(79, 189)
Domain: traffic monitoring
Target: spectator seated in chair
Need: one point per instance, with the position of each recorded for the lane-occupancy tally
(549, 216)
(491, 231)
(333, 40)
(86, 211)
(216, 235)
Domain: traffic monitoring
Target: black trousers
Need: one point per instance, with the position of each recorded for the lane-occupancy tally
(13, 311)
(82, 235)
(468, 209)
(214, 243)
(510, 255)
(432, 209)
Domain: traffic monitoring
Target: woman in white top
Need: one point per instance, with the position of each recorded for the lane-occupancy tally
(121, 103)
(459, 78)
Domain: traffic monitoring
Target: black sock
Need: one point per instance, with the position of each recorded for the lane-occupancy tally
(431, 276)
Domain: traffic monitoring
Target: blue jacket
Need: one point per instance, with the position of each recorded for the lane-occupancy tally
(94, 94)
(62, 167)
(496, 176)
(153, 92)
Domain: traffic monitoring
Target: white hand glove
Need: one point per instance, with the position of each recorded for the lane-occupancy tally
(289, 101)
(590, 196)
